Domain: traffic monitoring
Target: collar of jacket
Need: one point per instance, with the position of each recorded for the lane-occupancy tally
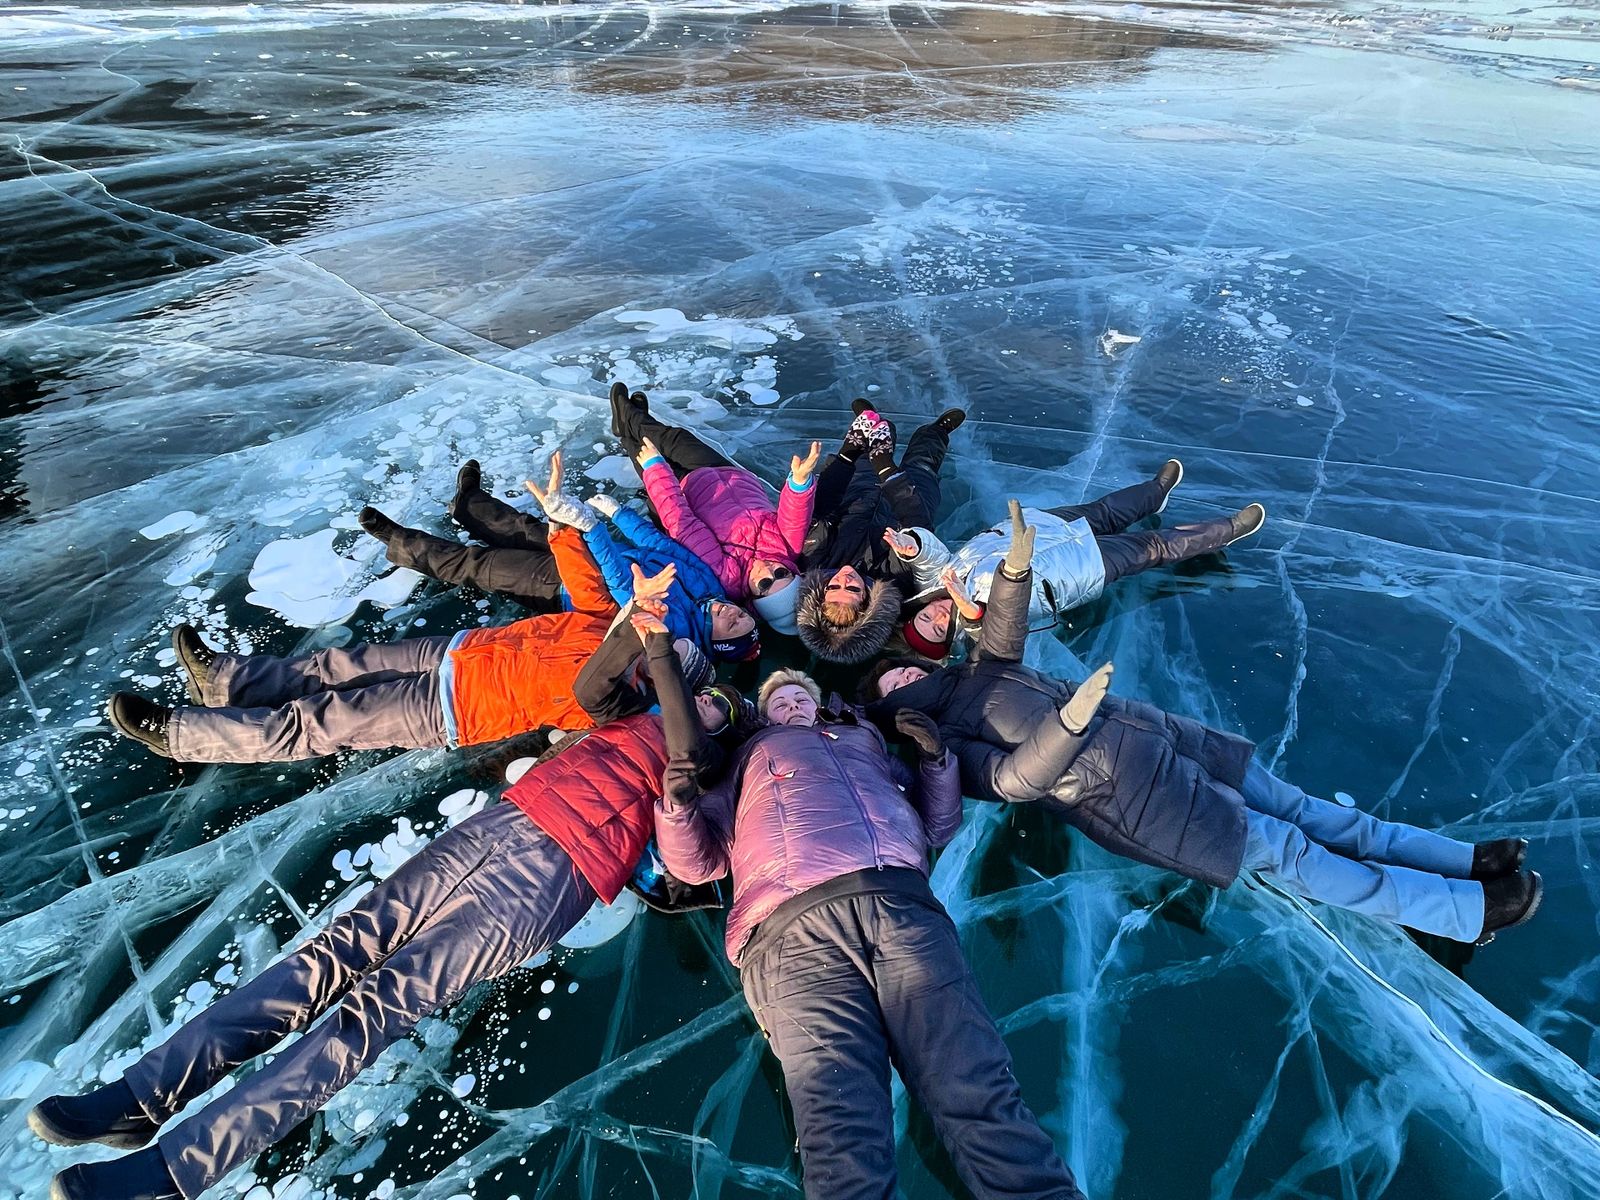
(859, 640)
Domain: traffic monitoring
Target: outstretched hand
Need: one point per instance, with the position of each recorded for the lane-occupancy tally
(800, 468)
(647, 451)
(1019, 557)
(1079, 711)
(604, 504)
(550, 489)
(648, 588)
(959, 596)
(903, 544)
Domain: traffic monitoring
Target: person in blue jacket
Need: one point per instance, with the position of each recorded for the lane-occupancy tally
(517, 562)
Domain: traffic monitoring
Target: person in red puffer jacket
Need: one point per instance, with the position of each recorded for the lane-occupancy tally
(481, 898)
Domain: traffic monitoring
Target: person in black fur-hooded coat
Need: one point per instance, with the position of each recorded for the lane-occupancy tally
(843, 616)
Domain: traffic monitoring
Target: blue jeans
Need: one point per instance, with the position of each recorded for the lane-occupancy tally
(1346, 857)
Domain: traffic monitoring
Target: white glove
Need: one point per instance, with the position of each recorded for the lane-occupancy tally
(563, 508)
(604, 504)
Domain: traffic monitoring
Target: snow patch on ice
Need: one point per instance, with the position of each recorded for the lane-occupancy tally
(182, 521)
(308, 583)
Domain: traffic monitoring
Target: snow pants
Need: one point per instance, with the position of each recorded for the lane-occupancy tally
(913, 490)
(682, 449)
(858, 983)
(1129, 553)
(1345, 857)
(528, 576)
(362, 697)
(479, 900)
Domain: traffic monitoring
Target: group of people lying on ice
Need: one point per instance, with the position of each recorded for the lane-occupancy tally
(822, 811)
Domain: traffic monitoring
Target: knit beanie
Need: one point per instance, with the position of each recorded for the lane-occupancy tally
(697, 668)
(926, 647)
(737, 649)
(777, 608)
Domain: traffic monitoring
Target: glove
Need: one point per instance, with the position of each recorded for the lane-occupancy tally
(1019, 557)
(1079, 711)
(563, 508)
(920, 730)
(603, 504)
(855, 438)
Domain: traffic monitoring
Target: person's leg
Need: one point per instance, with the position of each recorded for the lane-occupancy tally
(1353, 833)
(293, 992)
(1129, 553)
(265, 681)
(953, 1060)
(403, 713)
(916, 491)
(832, 483)
(1115, 511)
(812, 995)
(529, 577)
(523, 895)
(490, 519)
(1452, 908)
(683, 451)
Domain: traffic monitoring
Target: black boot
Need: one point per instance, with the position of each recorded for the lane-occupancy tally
(1501, 857)
(196, 658)
(109, 1115)
(1508, 902)
(859, 406)
(378, 525)
(141, 719)
(1169, 477)
(619, 397)
(469, 479)
(142, 1175)
(950, 420)
(1245, 522)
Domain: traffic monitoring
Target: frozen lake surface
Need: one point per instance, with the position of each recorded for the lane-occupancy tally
(262, 264)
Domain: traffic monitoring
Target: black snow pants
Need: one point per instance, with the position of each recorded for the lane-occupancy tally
(481, 899)
(682, 449)
(861, 981)
(1129, 553)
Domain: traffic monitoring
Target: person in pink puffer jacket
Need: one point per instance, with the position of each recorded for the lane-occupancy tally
(723, 513)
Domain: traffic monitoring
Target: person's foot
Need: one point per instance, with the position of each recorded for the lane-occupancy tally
(1501, 857)
(640, 401)
(469, 478)
(143, 720)
(142, 1175)
(1246, 521)
(859, 406)
(196, 658)
(378, 525)
(619, 397)
(949, 420)
(1169, 477)
(109, 1115)
(1508, 902)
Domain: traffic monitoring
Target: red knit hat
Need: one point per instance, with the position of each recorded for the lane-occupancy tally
(921, 645)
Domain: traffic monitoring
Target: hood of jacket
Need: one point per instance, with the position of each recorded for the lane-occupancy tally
(853, 643)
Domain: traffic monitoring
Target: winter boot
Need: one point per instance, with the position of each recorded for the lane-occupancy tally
(1508, 902)
(949, 420)
(1245, 522)
(1169, 477)
(141, 719)
(859, 406)
(142, 1175)
(619, 398)
(109, 1115)
(196, 658)
(378, 525)
(1496, 859)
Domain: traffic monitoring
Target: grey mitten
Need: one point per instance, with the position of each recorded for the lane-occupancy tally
(1019, 557)
(1077, 712)
(563, 508)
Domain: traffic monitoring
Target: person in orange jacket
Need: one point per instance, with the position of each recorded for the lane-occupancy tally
(479, 685)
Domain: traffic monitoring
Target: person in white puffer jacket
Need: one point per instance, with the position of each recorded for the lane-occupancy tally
(1079, 549)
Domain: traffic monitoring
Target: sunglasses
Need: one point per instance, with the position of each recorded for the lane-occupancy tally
(778, 574)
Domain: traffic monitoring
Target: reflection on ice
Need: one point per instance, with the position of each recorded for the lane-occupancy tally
(277, 262)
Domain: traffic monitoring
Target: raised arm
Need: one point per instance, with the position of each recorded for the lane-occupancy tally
(605, 687)
(936, 791)
(796, 501)
(677, 518)
(1034, 767)
(699, 580)
(922, 551)
(607, 556)
(580, 575)
(1005, 620)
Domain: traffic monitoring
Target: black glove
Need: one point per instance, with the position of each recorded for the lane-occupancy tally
(921, 731)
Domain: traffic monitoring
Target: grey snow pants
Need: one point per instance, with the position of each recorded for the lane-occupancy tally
(861, 982)
(361, 697)
(1127, 553)
(479, 900)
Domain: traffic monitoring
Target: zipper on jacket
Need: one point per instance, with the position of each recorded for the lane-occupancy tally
(877, 852)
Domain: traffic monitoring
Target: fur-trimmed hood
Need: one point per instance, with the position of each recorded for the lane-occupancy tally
(856, 642)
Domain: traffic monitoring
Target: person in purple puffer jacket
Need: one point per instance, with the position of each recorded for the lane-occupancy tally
(849, 962)
(720, 511)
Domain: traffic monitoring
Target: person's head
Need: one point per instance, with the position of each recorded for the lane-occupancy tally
(931, 628)
(767, 576)
(717, 707)
(733, 632)
(843, 617)
(843, 596)
(790, 698)
(773, 587)
(892, 673)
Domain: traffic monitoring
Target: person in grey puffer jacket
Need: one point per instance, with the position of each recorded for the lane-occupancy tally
(1168, 791)
(848, 961)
